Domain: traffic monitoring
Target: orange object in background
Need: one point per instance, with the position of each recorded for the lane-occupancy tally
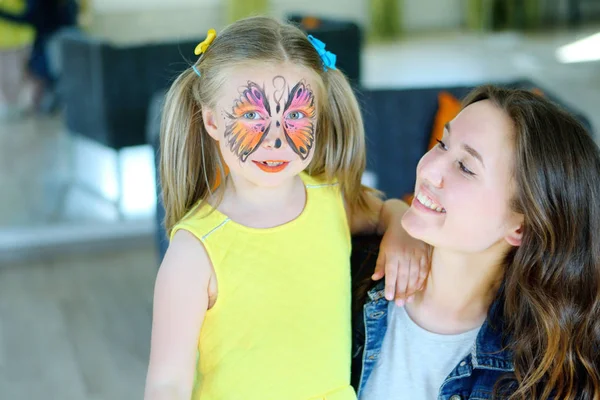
(448, 108)
(218, 178)
(538, 91)
(311, 22)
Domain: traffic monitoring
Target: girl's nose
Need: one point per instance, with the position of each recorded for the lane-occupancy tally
(274, 138)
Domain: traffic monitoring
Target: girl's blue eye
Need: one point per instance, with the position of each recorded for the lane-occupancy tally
(252, 115)
(296, 115)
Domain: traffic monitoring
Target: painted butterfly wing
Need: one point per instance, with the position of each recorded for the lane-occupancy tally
(245, 135)
(299, 132)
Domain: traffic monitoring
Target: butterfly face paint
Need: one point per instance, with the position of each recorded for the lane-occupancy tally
(251, 118)
(250, 121)
(298, 119)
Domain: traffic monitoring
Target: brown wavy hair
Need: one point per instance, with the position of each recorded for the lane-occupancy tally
(551, 290)
(190, 163)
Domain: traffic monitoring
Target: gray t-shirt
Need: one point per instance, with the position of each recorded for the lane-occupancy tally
(414, 362)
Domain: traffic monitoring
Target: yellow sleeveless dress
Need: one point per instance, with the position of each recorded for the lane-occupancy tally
(280, 328)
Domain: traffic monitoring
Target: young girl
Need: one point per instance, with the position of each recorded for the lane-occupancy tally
(262, 155)
(510, 202)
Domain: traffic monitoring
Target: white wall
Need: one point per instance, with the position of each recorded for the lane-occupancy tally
(149, 20)
(421, 15)
(112, 6)
(350, 9)
(138, 21)
(354, 10)
(416, 15)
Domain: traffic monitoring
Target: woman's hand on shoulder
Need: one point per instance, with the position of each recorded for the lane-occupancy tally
(403, 260)
(181, 299)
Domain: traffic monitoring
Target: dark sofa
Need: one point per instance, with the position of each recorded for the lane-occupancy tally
(107, 87)
(398, 126)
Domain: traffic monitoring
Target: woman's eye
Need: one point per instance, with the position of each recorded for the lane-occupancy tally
(296, 115)
(252, 115)
(464, 169)
(441, 144)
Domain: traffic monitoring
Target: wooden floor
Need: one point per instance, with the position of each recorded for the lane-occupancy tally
(76, 327)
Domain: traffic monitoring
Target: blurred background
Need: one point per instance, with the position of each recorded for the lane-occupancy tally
(81, 85)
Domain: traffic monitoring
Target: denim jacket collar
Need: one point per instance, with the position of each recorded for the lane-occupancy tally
(487, 353)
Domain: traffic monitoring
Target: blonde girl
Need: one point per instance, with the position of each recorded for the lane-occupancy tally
(262, 152)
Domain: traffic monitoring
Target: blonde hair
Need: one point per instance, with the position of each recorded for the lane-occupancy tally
(190, 164)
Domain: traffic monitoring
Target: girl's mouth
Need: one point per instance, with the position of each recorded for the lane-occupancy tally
(271, 166)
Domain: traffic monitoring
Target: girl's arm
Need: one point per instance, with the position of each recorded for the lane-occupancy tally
(402, 259)
(181, 298)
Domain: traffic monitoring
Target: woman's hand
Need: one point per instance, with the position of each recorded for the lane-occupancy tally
(403, 260)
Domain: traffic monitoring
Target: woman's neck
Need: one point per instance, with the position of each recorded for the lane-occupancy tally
(459, 291)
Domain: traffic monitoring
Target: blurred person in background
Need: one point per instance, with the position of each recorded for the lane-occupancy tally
(15, 45)
(47, 18)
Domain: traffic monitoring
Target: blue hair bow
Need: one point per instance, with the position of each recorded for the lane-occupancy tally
(327, 57)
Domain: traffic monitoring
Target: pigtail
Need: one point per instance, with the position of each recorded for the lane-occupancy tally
(190, 166)
(341, 151)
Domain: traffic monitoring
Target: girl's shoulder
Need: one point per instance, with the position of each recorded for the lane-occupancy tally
(200, 220)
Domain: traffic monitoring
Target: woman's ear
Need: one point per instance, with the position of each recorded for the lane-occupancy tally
(515, 235)
(210, 123)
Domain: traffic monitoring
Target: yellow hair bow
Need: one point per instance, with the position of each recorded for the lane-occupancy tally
(202, 46)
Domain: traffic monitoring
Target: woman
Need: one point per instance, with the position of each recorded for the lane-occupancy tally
(510, 203)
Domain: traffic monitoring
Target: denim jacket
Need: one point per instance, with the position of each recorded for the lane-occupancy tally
(473, 378)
